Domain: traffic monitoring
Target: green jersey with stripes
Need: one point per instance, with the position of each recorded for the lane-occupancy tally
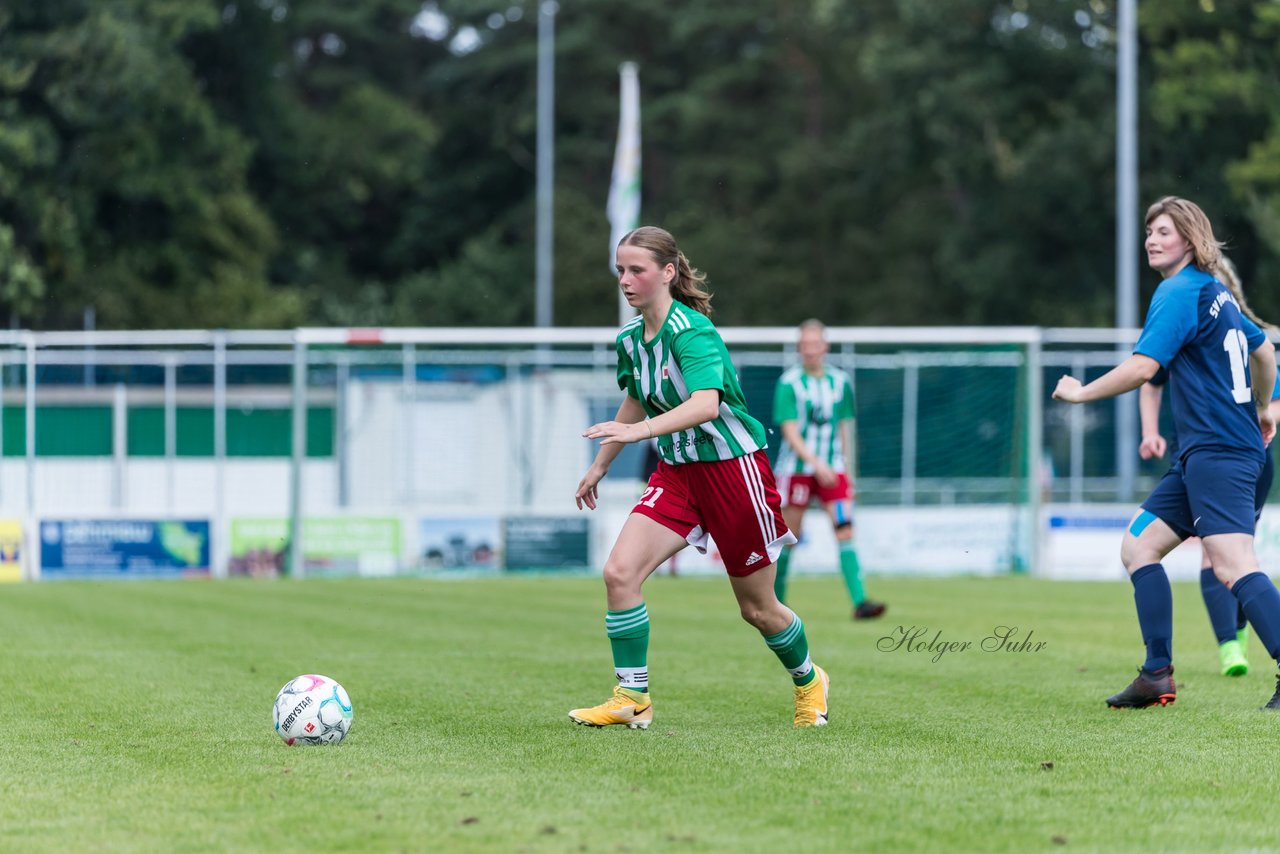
(687, 355)
(817, 404)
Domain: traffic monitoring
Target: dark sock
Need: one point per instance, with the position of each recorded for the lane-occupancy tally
(1261, 603)
(1223, 608)
(1154, 599)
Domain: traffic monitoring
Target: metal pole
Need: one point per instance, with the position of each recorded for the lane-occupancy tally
(340, 430)
(408, 412)
(296, 459)
(90, 324)
(910, 415)
(119, 445)
(545, 158)
(171, 431)
(1126, 232)
(31, 429)
(1076, 427)
(1035, 452)
(220, 555)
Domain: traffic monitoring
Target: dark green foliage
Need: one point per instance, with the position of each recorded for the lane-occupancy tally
(248, 163)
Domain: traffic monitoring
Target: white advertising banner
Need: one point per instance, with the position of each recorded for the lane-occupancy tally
(964, 540)
(1082, 542)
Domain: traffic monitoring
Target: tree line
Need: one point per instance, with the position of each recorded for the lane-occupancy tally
(270, 163)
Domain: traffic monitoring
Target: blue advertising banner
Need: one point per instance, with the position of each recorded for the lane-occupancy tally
(124, 548)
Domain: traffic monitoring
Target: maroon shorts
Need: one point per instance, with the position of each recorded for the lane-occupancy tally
(799, 489)
(732, 501)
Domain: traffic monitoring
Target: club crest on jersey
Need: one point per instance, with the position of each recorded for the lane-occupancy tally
(664, 372)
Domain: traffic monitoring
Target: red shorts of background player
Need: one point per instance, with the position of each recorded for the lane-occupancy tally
(799, 489)
(732, 501)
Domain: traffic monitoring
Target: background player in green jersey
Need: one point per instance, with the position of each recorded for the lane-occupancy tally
(713, 479)
(813, 405)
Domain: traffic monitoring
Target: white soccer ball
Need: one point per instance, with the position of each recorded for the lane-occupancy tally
(312, 709)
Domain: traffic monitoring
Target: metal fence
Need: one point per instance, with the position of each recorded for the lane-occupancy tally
(321, 420)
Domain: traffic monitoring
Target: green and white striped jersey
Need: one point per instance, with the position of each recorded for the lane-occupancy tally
(817, 405)
(685, 356)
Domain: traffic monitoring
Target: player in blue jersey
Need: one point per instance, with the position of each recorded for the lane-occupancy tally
(1221, 371)
(1226, 617)
(1230, 627)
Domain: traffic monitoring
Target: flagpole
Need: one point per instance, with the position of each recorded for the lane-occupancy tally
(545, 178)
(624, 188)
(1127, 241)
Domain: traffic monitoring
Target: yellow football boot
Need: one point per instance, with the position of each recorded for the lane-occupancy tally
(633, 709)
(811, 700)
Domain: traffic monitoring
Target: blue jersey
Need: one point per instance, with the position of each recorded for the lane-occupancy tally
(1162, 376)
(1195, 330)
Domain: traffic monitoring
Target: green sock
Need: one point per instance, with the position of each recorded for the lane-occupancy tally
(780, 577)
(792, 649)
(628, 632)
(852, 572)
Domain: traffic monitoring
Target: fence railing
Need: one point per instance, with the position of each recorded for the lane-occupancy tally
(313, 421)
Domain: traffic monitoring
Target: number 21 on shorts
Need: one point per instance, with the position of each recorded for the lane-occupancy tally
(650, 496)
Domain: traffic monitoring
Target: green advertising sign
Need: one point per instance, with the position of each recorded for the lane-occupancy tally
(331, 545)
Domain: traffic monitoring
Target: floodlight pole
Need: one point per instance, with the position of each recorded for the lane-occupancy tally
(1126, 232)
(545, 158)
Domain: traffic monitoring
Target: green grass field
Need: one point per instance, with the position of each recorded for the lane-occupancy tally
(137, 717)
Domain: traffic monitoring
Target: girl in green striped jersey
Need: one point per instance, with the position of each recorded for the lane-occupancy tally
(713, 479)
(813, 406)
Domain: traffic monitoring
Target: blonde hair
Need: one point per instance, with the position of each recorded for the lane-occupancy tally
(1226, 273)
(1192, 223)
(1194, 227)
(688, 285)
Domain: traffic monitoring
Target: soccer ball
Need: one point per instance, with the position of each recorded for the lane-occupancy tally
(312, 709)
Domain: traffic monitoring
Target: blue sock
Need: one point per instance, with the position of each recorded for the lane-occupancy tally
(1261, 602)
(1154, 598)
(1223, 608)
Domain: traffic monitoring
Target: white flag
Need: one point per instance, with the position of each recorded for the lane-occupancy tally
(624, 189)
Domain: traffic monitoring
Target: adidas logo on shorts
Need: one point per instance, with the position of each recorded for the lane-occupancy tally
(754, 559)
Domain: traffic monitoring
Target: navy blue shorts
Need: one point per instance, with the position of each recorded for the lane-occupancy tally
(1212, 491)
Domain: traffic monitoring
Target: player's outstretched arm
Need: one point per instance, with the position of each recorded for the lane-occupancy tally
(702, 406)
(1126, 376)
(630, 413)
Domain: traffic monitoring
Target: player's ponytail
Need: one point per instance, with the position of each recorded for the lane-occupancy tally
(1225, 272)
(689, 288)
(688, 285)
